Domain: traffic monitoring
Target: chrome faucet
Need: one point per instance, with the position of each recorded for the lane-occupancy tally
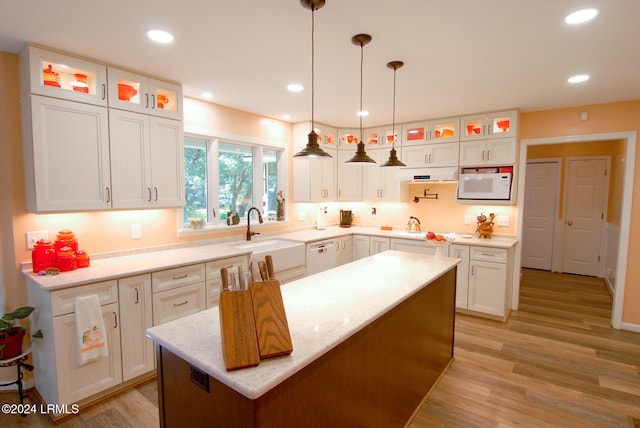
(249, 232)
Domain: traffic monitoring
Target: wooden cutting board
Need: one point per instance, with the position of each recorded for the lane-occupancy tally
(274, 338)
(238, 330)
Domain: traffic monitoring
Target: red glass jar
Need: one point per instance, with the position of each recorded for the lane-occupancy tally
(43, 255)
(66, 238)
(82, 259)
(66, 258)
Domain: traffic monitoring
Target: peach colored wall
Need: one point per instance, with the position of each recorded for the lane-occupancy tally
(615, 149)
(610, 117)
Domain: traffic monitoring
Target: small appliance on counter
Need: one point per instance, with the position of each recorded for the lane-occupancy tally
(321, 218)
(346, 218)
(413, 225)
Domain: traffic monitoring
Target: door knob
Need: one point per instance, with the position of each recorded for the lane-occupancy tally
(569, 222)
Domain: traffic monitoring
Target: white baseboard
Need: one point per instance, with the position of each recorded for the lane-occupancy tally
(630, 327)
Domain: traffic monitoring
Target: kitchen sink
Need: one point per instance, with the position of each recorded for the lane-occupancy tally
(286, 254)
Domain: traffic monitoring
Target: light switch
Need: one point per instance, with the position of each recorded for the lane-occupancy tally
(467, 219)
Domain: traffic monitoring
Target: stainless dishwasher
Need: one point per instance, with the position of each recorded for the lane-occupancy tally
(321, 255)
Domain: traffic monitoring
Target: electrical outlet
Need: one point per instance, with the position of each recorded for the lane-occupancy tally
(302, 216)
(503, 220)
(33, 237)
(136, 231)
(467, 219)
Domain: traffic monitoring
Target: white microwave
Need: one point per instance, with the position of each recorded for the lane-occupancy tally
(485, 186)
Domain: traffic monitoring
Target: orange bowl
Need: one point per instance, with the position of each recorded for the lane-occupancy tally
(125, 92)
(503, 124)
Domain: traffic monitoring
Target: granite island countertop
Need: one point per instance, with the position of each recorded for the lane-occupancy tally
(322, 310)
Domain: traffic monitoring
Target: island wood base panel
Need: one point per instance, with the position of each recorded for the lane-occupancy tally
(376, 378)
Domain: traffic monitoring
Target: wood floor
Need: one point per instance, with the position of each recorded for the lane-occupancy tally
(556, 362)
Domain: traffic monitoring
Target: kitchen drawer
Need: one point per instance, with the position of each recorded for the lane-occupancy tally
(64, 301)
(177, 277)
(488, 254)
(213, 301)
(213, 267)
(182, 301)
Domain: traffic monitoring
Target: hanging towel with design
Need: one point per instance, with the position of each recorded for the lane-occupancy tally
(90, 332)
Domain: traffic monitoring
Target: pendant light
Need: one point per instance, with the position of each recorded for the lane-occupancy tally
(393, 159)
(312, 149)
(361, 155)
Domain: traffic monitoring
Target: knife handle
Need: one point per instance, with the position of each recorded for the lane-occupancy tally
(224, 277)
(270, 271)
(263, 270)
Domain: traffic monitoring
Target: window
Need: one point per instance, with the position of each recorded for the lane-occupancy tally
(224, 179)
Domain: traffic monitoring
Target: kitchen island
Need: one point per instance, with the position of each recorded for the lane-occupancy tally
(370, 339)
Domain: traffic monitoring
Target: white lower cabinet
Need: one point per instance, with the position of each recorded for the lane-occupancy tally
(74, 381)
(360, 247)
(214, 279)
(344, 250)
(178, 292)
(378, 245)
(136, 316)
(416, 246)
(488, 280)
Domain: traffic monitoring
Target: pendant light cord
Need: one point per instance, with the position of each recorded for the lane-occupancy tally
(313, 10)
(361, 86)
(393, 127)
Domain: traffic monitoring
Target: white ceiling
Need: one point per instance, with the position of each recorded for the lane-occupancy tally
(461, 56)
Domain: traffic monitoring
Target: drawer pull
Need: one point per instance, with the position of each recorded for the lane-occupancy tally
(488, 254)
(175, 305)
(137, 296)
(181, 276)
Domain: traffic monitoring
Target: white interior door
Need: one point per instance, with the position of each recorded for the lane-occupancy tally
(540, 199)
(584, 215)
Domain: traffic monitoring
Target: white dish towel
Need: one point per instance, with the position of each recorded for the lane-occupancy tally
(90, 332)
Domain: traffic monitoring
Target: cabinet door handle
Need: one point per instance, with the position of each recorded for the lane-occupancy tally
(425, 159)
(146, 97)
(137, 296)
(488, 154)
(473, 270)
(115, 320)
(149, 191)
(213, 210)
(156, 190)
(175, 305)
(108, 195)
(153, 98)
(483, 155)
(181, 276)
(104, 91)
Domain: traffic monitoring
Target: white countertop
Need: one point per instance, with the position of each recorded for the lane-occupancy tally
(322, 311)
(103, 269)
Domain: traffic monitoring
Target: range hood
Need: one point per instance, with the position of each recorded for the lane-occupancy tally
(419, 175)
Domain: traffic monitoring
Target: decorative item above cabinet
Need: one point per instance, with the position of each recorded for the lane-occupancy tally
(489, 125)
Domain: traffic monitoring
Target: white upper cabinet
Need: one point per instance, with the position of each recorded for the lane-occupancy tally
(433, 131)
(314, 180)
(489, 125)
(349, 138)
(498, 152)
(142, 94)
(62, 76)
(350, 176)
(431, 155)
(382, 184)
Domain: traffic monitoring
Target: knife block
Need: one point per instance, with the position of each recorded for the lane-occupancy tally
(238, 330)
(270, 317)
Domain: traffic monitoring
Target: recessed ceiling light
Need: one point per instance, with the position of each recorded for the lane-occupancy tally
(580, 16)
(295, 87)
(207, 95)
(363, 113)
(286, 117)
(160, 36)
(579, 78)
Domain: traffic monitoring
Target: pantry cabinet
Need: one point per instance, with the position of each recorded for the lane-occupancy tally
(433, 131)
(146, 160)
(432, 155)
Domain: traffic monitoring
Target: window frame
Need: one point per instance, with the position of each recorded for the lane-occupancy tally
(212, 145)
